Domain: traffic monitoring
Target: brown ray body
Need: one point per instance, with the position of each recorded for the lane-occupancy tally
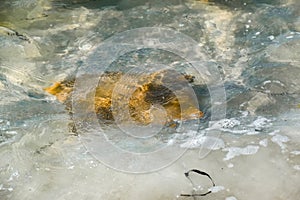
(165, 88)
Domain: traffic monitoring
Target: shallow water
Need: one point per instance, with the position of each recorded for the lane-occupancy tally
(253, 153)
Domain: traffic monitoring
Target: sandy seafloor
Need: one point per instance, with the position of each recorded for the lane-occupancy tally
(252, 154)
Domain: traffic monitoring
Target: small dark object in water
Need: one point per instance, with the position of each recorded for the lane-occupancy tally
(10, 32)
(201, 173)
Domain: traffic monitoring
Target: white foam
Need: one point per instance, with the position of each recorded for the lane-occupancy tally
(260, 122)
(237, 151)
(212, 143)
(225, 123)
(273, 132)
(280, 140)
(14, 175)
(253, 132)
(235, 126)
(264, 142)
(230, 165)
(297, 167)
(238, 131)
(216, 189)
(295, 153)
(266, 82)
(245, 113)
(279, 82)
(231, 198)
(257, 33)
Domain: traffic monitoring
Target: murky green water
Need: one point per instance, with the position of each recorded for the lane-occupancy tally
(254, 152)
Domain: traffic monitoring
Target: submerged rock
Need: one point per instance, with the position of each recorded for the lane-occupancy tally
(160, 90)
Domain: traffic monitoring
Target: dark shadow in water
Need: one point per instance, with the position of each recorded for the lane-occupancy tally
(243, 4)
(90, 4)
(119, 4)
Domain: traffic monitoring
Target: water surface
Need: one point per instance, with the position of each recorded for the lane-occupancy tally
(254, 152)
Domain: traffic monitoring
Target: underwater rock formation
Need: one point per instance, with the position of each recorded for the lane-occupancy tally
(163, 90)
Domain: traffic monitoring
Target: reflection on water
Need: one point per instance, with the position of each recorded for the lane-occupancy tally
(255, 45)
